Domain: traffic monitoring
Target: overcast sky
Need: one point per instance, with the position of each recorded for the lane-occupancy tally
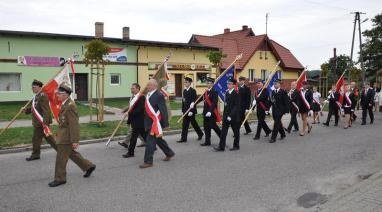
(309, 28)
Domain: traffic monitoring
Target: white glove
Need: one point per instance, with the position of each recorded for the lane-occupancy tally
(190, 113)
(266, 112)
(246, 111)
(208, 114)
(254, 102)
(326, 101)
(228, 118)
(352, 110)
(192, 105)
(310, 113)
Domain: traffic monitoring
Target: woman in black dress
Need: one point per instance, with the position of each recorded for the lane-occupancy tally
(348, 105)
(305, 106)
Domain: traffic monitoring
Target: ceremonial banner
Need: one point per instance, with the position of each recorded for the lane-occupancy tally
(275, 77)
(221, 85)
(40, 61)
(116, 55)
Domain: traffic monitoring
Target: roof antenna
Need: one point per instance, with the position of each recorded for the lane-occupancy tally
(266, 35)
(266, 23)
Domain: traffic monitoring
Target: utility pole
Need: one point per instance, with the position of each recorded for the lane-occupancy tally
(357, 18)
(266, 23)
(334, 73)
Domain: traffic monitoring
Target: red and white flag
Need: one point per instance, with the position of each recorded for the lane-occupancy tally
(301, 79)
(50, 89)
(339, 84)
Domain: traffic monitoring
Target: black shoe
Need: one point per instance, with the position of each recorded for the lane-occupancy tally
(287, 130)
(267, 135)
(89, 171)
(272, 140)
(56, 183)
(246, 133)
(295, 130)
(32, 158)
(123, 144)
(326, 124)
(205, 144)
(218, 149)
(256, 138)
(128, 155)
(181, 141)
(282, 137)
(234, 149)
(363, 123)
(200, 137)
(310, 128)
(336, 124)
(372, 121)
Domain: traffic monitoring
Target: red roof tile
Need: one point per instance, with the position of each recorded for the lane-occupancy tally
(244, 41)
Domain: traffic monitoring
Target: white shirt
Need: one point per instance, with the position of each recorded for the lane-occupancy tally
(230, 91)
(316, 96)
(65, 101)
(187, 88)
(150, 93)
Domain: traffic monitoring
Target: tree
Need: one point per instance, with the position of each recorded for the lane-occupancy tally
(216, 58)
(327, 68)
(372, 48)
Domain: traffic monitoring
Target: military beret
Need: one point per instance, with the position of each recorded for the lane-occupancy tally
(188, 79)
(278, 80)
(304, 83)
(259, 80)
(37, 83)
(242, 78)
(64, 89)
(231, 80)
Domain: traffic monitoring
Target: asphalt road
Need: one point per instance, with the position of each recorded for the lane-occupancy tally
(259, 177)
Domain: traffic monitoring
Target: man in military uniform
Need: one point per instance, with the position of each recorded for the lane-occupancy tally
(293, 105)
(188, 101)
(245, 102)
(280, 106)
(135, 118)
(261, 101)
(68, 136)
(367, 102)
(231, 117)
(210, 112)
(40, 112)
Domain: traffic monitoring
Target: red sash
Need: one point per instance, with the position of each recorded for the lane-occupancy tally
(209, 103)
(262, 105)
(348, 100)
(156, 128)
(306, 103)
(294, 104)
(134, 101)
(40, 119)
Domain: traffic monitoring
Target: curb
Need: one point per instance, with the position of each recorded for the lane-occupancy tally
(89, 141)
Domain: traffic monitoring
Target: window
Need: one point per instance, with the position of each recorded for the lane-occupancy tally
(115, 79)
(264, 74)
(201, 78)
(251, 75)
(10, 82)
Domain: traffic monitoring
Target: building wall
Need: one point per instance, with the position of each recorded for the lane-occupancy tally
(155, 55)
(59, 47)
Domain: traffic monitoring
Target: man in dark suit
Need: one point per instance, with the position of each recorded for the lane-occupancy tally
(367, 102)
(135, 118)
(333, 99)
(231, 117)
(210, 112)
(293, 105)
(261, 101)
(188, 101)
(245, 102)
(155, 120)
(280, 106)
(355, 92)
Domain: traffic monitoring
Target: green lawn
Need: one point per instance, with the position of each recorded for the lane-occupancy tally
(23, 135)
(123, 102)
(9, 109)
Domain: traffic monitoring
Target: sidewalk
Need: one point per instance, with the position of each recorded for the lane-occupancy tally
(365, 196)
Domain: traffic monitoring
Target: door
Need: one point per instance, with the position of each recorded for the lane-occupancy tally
(81, 87)
(178, 85)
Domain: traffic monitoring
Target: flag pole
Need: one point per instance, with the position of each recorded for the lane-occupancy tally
(264, 87)
(126, 114)
(238, 57)
(26, 105)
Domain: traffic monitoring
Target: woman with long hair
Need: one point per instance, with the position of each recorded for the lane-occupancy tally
(305, 106)
(348, 105)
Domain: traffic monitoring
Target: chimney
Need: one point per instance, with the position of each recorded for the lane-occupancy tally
(125, 33)
(244, 27)
(226, 30)
(98, 29)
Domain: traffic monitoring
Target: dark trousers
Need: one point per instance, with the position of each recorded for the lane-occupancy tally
(186, 123)
(151, 142)
(333, 111)
(277, 127)
(236, 133)
(134, 136)
(293, 121)
(261, 124)
(208, 124)
(246, 124)
(365, 110)
(353, 115)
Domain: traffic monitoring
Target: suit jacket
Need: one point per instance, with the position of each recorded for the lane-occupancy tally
(345, 104)
(213, 96)
(333, 98)
(245, 97)
(263, 99)
(42, 106)
(158, 102)
(135, 118)
(293, 98)
(68, 127)
(280, 102)
(367, 98)
(232, 106)
(188, 97)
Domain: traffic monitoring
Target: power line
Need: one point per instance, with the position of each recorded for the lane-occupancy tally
(327, 5)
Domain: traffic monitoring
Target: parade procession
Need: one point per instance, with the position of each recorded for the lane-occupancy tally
(271, 118)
